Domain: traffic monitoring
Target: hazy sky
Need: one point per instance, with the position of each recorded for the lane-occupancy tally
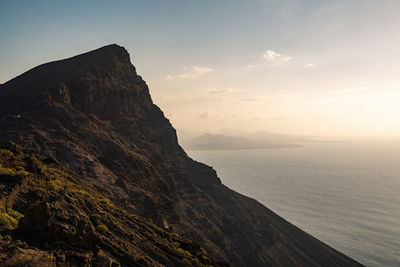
(301, 67)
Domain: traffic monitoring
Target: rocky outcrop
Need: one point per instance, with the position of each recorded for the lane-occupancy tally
(93, 115)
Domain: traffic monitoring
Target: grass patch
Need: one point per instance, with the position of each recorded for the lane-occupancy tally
(7, 171)
(12, 171)
(185, 253)
(15, 214)
(19, 168)
(6, 153)
(57, 184)
(9, 219)
(101, 228)
(174, 235)
(105, 201)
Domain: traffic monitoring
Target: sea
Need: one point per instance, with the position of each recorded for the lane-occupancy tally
(346, 194)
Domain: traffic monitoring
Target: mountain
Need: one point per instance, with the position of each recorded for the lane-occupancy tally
(226, 139)
(86, 156)
(222, 142)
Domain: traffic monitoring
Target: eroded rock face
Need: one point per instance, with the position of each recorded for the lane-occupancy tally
(94, 116)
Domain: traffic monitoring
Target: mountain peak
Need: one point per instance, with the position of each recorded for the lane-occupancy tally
(112, 52)
(110, 49)
(101, 81)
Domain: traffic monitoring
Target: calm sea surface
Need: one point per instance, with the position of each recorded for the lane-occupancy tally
(345, 194)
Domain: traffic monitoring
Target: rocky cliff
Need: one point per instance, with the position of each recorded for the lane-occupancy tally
(92, 120)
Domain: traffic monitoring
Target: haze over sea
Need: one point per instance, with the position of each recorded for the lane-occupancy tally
(346, 194)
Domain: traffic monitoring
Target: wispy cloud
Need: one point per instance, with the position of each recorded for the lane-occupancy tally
(273, 56)
(217, 91)
(204, 115)
(191, 73)
(309, 65)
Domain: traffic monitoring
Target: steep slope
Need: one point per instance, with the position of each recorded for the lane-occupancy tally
(93, 115)
(52, 217)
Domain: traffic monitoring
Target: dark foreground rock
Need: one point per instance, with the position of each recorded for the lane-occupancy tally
(91, 118)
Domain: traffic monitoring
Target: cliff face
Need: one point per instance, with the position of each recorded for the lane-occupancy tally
(93, 115)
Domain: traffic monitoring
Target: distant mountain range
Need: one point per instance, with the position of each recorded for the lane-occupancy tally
(227, 139)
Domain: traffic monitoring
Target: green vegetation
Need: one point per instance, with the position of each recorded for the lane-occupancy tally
(50, 184)
(57, 184)
(9, 219)
(101, 228)
(15, 214)
(12, 171)
(23, 173)
(19, 168)
(6, 171)
(6, 153)
(57, 205)
(105, 201)
(186, 253)
(6, 221)
(174, 235)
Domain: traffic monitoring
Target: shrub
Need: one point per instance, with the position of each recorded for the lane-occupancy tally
(19, 168)
(101, 228)
(82, 192)
(12, 172)
(6, 171)
(57, 205)
(7, 222)
(15, 214)
(176, 244)
(174, 235)
(186, 253)
(105, 201)
(23, 173)
(57, 184)
(6, 153)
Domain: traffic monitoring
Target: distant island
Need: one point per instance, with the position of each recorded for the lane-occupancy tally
(229, 139)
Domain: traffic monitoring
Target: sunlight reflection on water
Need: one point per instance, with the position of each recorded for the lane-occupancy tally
(345, 194)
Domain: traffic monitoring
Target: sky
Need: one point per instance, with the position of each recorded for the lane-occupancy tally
(308, 67)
